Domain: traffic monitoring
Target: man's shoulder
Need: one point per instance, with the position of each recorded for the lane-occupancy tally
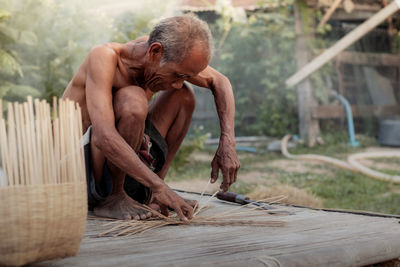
(108, 49)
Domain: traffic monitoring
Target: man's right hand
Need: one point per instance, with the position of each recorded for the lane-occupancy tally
(168, 198)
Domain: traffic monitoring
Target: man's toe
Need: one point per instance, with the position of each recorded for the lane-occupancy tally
(126, 216)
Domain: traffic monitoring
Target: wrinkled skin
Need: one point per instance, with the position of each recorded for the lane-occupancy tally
(114, 86)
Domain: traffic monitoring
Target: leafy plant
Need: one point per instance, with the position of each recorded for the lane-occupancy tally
(43, 43)
(191, 144)
(258, 56)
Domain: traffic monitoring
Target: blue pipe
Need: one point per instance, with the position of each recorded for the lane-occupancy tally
(349, 115)
(246, 149)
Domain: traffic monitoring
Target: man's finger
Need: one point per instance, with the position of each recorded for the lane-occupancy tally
(214, 172)
(235, 175)
(164, 210)
(180, 214)
(224, 187)
(225, 174)
(188, 212)
(231, 176)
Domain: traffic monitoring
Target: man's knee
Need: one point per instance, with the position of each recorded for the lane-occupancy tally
(130, 104)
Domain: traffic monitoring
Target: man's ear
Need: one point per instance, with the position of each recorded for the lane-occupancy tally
(155, 52)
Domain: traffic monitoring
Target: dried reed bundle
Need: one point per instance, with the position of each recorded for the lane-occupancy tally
(231, 217)
(36, 151)
(42, 181)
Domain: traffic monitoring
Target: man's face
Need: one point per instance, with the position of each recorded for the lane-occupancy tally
(171, 75)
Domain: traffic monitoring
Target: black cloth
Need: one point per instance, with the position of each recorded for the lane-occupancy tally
(98, 192)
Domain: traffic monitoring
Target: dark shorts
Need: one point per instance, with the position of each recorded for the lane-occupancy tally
(154, 143)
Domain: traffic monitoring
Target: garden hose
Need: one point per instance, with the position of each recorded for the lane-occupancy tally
(352, 164)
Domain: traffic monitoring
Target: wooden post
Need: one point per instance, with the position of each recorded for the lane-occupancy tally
(343, 43)
(308, 127)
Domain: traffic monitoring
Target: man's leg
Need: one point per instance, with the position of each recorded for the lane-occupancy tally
(171, 113)
(130, 110)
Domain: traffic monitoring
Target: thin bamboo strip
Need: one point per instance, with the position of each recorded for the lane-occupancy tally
(36, 174)
(250, 204)
(4, 150)
(67, 124)
(19, 143)
(46, 143)
(29, 147)
(72, 137)
(52, 165)
(24, 133)
(55, 108)
(63, 163)
(80, 132)
(57, 150)
(13, 175)
(208, 200)
(202, 193)
(39, 140)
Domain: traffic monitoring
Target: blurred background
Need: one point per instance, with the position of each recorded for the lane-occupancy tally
(259, 44)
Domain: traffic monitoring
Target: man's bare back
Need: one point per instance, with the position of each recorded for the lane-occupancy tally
(113, 87)
(76, 87)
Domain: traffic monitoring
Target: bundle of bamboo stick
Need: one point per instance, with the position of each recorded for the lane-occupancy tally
(36, 151)
(42, 182)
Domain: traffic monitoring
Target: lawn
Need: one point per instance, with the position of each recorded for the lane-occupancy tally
(303, 182)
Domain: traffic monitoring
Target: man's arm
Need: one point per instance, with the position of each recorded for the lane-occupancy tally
(225, 157)
(102, 64)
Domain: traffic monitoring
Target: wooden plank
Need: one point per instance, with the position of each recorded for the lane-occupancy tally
(308, 128)
(355, 16)
(329, 13)
(343, 43)
(370, 59)
(335, 111)
(309, 238)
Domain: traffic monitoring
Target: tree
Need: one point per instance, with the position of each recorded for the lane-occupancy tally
(45, 42)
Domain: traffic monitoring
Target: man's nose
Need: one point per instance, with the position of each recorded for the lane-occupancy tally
(178, 84)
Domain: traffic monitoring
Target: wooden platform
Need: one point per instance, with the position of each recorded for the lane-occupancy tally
(308, 238)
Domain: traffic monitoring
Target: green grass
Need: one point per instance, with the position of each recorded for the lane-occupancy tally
(337, 188)
(355, 191)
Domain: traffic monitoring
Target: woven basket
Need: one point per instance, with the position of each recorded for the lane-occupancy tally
(40, 222)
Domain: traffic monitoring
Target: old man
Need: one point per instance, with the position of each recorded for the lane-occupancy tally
(131, 136)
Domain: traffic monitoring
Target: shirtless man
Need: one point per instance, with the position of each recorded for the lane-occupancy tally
(114, 86)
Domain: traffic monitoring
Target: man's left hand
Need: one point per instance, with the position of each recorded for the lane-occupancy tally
(227, 160)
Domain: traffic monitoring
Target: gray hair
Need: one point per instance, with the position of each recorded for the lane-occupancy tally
(179, 34)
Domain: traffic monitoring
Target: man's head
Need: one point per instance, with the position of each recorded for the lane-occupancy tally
(179, 34)
(178, 48)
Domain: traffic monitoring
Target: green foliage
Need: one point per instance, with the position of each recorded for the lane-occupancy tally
(355, 191)
(191, 144)
(42, 44)
(258, 56)
(131, 25)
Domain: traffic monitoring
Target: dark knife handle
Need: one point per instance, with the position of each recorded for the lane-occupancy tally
(227, 196)
(232, 197)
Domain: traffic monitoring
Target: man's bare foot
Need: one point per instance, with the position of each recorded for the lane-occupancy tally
(121, 206)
